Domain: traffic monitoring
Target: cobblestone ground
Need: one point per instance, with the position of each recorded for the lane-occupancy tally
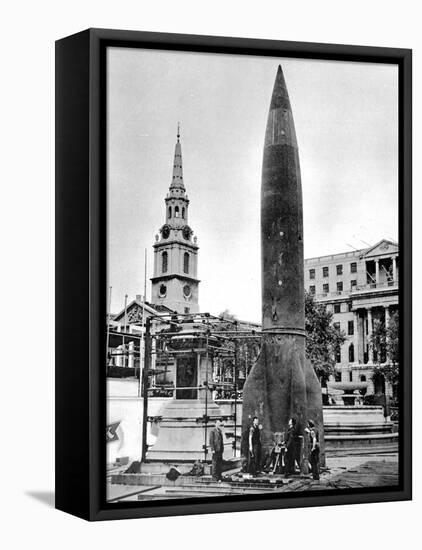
(352, 472)
(347, 472)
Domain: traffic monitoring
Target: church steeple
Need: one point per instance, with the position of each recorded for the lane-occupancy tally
(177, 181)
(175, 282)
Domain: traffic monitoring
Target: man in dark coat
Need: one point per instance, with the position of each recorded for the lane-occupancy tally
(217, 449)
(313, 457)
(255, 447)
(291, 442)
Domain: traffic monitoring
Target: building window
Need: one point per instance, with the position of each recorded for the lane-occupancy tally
(164, 262)
(353, 284)
(353, 267)
(338, 355)
(187, 310)
(326, 288)
(325, 271)
(337, 376)
(312, 273)
(340, 286)
(176, 211)
(312, 289)
(169, 211)
(337, 308)
(185, 262)
(350, 306)
(183, 212)
(339, 270)
(362, 378)
(351, 353)
(350, 376)
(350, 328)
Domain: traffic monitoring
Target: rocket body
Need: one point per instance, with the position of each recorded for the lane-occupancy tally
(282, 384)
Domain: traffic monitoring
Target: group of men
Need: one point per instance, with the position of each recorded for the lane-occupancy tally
(289, 448)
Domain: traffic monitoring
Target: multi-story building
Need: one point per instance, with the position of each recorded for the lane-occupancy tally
(360, 288)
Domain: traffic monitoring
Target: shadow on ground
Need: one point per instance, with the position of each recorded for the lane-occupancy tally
(45, 497)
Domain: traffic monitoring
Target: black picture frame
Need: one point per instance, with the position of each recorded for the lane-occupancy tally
(81, 270)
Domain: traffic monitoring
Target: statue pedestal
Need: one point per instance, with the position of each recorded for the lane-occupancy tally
(182, 432)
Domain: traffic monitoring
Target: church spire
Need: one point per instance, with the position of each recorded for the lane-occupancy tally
(177, 180)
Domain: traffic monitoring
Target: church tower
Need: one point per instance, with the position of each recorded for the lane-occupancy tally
(175, 282)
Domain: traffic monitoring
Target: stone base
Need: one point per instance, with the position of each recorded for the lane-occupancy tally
(182, 433)
(358, 430)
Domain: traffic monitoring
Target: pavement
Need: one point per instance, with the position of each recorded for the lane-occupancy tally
(340, 473)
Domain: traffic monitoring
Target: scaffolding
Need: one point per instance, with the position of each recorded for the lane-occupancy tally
(167, 337)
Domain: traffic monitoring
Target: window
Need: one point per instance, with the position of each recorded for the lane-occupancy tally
(187, 310)
(340, 286)
(353, 284)
(183, 212)
(312, 289)
(326, 288)
(185, 262)
(350, 328)
(350, 306)
(339, 270)
(312, 273)
(362, 378)
(176, 211)
(351, 353)
(169, 211)
(164, 262)
(325, 271)
(351, 376)
(337, 376)
(353, 267)
(337, 308)
(338, 355)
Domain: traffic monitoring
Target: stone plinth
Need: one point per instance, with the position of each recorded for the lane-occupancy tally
(358, 430)
(182, 432)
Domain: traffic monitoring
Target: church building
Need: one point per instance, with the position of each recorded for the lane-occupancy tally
(175, 283)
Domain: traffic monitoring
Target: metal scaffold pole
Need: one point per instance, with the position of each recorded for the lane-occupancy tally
(145, 371)
(235, 395)
(206, 393)
(108, 326)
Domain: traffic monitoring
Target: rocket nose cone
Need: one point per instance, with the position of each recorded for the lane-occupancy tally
(280, 97)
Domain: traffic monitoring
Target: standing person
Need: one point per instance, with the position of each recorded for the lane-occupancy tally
(254, 447)
(291, 447)
(313, 449)
(217, 449)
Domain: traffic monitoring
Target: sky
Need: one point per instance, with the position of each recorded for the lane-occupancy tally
(346, 120)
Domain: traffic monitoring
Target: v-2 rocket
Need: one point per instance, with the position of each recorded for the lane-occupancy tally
(282, 384)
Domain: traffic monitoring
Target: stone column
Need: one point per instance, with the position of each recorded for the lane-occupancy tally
(395, 269)
(356, 336)
(387, 316)
(361, 339)
(377, 271)
(131, 358)
(387, 322)
(370, 350)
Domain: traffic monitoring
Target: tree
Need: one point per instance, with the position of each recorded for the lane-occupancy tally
(323, 338)
(385, 347)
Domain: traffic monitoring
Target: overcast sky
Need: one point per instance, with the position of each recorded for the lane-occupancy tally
(346, 120)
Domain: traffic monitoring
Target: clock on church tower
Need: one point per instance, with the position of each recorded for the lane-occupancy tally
(175, 282)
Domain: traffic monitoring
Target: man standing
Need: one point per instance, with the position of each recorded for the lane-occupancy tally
(291, 447)
(313, 449)
(254, 447)
(217, 449)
